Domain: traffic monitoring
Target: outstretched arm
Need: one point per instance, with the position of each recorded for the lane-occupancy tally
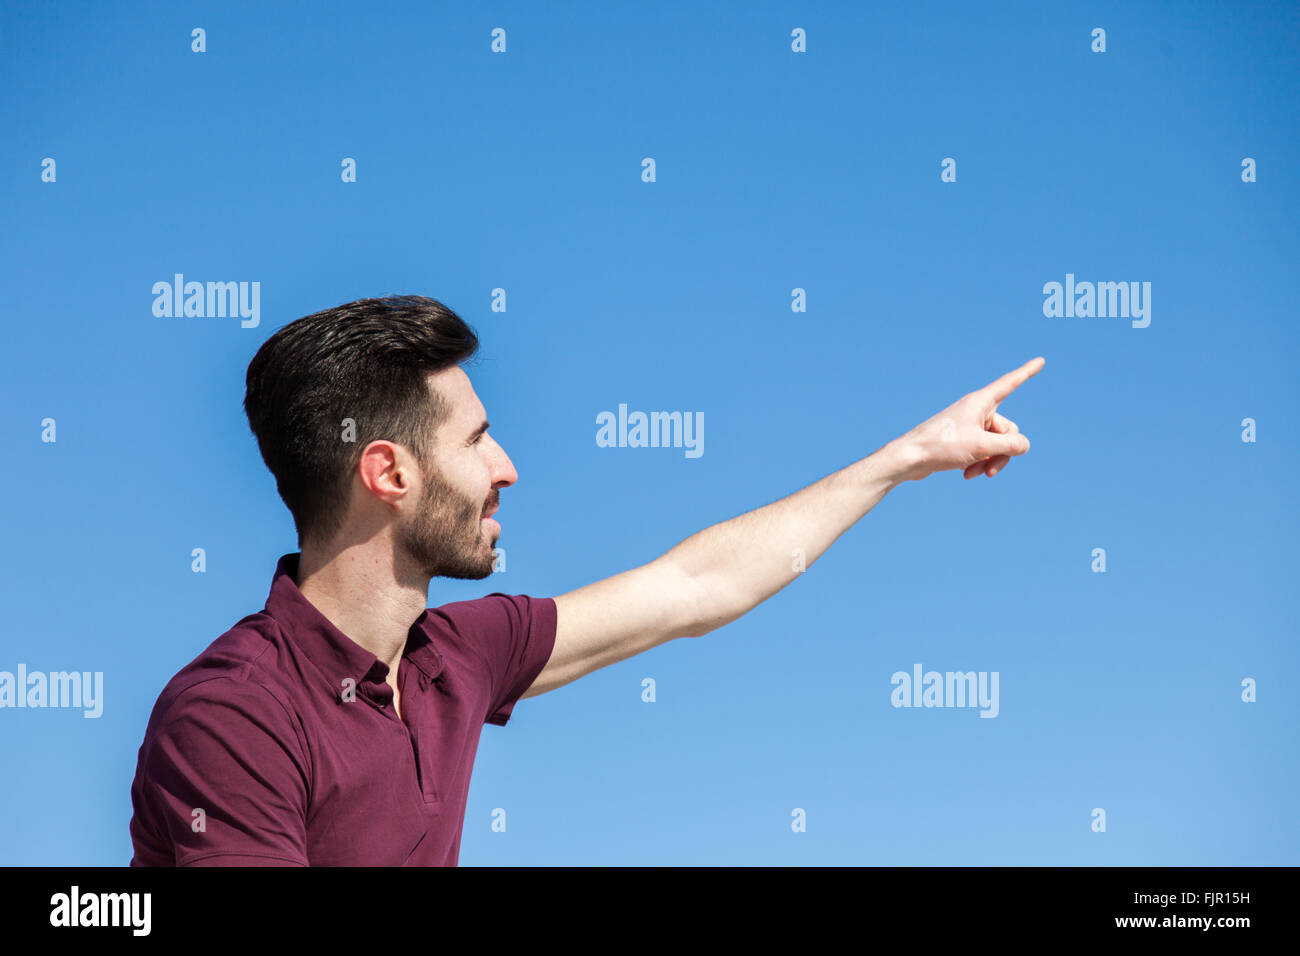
(720, 573)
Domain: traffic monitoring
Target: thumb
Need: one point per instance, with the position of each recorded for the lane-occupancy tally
(993, 444)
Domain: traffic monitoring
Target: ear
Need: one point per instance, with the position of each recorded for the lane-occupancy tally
(382, 470)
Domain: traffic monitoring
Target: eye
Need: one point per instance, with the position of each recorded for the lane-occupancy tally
(479, 438)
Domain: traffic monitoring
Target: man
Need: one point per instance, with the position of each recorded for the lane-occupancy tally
(339, 725)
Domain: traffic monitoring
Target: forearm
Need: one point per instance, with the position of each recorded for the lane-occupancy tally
(737, 564)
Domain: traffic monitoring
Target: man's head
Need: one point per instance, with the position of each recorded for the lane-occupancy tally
(365, 418)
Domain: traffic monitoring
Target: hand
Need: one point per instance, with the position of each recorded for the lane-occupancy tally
(969, 434)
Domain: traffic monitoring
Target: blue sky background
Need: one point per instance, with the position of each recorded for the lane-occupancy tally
(775, 170)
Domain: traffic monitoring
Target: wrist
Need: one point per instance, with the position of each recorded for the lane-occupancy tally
(902, 461)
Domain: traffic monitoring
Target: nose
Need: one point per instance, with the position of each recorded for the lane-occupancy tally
(502, 469)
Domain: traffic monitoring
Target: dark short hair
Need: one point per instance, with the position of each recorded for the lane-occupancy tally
(367, 361)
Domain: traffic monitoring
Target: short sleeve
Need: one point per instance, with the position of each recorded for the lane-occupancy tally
(226, 778)
(515, 635)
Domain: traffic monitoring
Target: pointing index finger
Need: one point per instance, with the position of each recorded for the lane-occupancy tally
(1004, 386)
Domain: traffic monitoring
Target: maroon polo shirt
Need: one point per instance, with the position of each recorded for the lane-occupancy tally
(258, 753)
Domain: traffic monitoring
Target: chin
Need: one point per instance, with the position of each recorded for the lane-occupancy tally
(476, 573)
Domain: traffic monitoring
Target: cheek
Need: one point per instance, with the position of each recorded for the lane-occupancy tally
(473, 479)
(482, 477)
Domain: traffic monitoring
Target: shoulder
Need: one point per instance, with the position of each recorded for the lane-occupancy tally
(494, 624)
(495, 610)
(511, 636)
(237, 679)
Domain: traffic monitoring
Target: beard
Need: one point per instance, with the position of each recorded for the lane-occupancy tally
(445, 537)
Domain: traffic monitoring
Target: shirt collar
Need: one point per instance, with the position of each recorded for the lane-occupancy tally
(333, 652)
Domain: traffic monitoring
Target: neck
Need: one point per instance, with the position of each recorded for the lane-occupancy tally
(367, 593)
